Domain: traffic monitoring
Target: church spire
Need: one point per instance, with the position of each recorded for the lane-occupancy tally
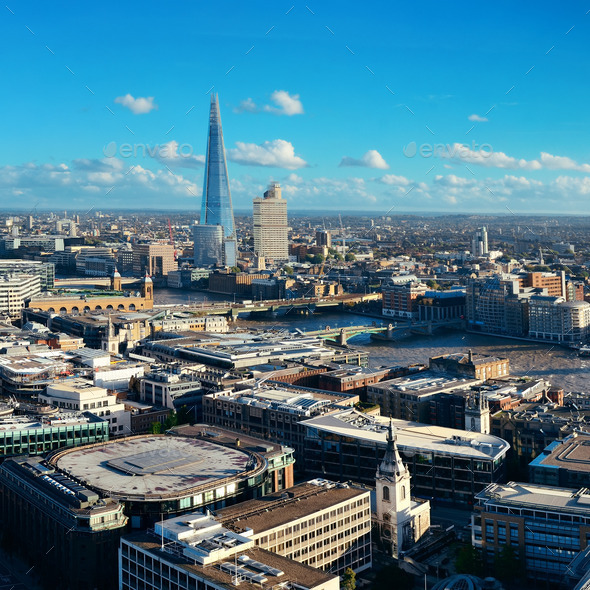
(392, 465)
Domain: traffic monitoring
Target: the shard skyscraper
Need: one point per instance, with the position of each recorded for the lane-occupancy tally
(216, 207)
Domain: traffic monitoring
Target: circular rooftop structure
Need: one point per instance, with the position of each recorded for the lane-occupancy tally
(153, 468)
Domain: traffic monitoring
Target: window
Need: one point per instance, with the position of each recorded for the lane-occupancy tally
(385, 494)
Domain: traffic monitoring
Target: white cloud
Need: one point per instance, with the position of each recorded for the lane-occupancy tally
(170, 155)
(284, 104)
(477, 119)
(246, 106)
(371, 159)
(277, 153)
(452, 181)
(110, 181)
(488, 158)
(562, 163)
(393, 180)
(139, 105)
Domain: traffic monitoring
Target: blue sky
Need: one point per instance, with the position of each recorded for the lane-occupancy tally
(456, 107)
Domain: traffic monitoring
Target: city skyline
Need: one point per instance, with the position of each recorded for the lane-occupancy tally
(456, 109)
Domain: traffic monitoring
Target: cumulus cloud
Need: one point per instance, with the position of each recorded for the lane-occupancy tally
(488, 158)
(284, 104)
(277, 153)
(138, 106)
(393, 180)
(115, 182)
(371, 159)
(178, 156)
(477, 118)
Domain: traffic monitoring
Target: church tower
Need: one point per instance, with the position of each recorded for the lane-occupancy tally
(147, 288)
(477, 413)
(116, 281)
(393, 499)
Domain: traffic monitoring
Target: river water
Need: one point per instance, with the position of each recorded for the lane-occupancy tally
(560, 366)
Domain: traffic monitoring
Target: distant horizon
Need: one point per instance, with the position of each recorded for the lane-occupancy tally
(299, 212)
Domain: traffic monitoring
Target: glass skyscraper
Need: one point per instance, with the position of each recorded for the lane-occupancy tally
(216, 207)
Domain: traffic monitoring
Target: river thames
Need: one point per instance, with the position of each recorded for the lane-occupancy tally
(560, 366)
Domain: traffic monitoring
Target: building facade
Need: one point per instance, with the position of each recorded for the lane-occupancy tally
(16, 291)
(196, 552)
(153, 260)
(317, 523)
(545, 526)
(271, 238)
(446, 465)
(208, 245)
(60, 527)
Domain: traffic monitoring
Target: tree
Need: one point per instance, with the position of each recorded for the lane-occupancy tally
(156, 428)
(288, 270)
(469, 561)
(235, 269)
(318, 259)
(350, 257)
(348, 580)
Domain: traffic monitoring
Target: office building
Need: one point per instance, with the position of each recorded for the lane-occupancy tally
(479, 243)
(323, 237)
(196, 552)
(37, 435)
(445, 463)
(564, 463)
(208, 245)
(216, 205)
(153, 260)
(79, 395)
(401, 521)
(16, 291)
(172, 389)
(409, 397)
(400, 299)
(271, 238)
(318, 523)
(545, 526)
(45, 270)
(436, 306)
(557, 320)
(66, 531)
(155, 475)
(271, 412)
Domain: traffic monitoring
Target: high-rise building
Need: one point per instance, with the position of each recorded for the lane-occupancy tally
(270, 225)
(208, 245)
(157, 260)
(216, 206)
(323, 237)
(479, 243)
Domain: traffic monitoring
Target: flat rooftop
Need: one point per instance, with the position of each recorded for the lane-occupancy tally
(426, 383)
(528, 495)
(572, 454)
(411, 436)
(292, 573)
(153, 467)
(61, 419)
(287, 505)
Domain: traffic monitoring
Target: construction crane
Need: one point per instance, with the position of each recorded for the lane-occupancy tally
(172, 240)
